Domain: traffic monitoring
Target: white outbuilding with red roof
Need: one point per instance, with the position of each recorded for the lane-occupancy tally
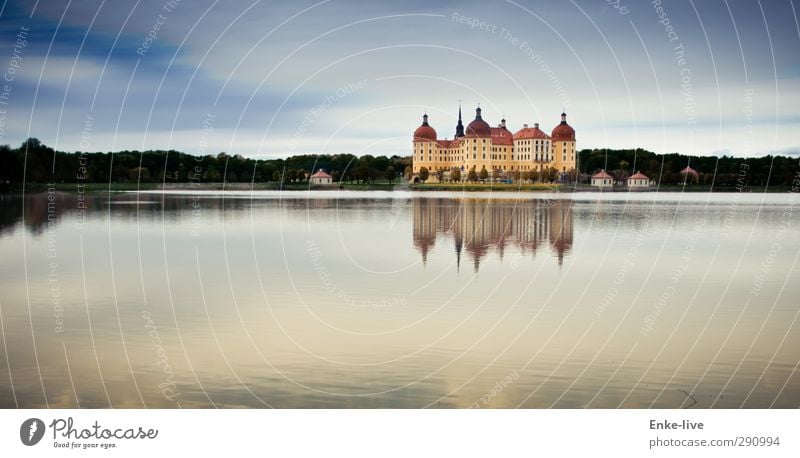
(602, 180)
(321, 178)
(638, 180)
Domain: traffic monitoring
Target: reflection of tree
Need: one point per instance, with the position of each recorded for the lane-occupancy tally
(54, 208)
(480, 225)
(10, 212)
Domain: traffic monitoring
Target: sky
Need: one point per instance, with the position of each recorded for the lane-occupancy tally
(277, 78)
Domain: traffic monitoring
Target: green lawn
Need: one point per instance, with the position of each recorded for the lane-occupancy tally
(133, 186)
(484, 187)
(379, 185)
(89, 187)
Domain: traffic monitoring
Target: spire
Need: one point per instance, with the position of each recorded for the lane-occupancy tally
(563, 117)
(425, 119)
(478, 112)
(460, 125)
(459, 243)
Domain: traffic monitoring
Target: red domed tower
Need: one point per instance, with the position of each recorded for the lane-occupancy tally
(563, 131)
(478, 127)
(563, 141)
(425, 133)
(424, 146)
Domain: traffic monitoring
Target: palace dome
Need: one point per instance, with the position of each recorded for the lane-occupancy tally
(478, 127)
(563, 132)
(425, 132)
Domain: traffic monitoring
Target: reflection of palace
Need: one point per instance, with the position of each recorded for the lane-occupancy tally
(480, 225)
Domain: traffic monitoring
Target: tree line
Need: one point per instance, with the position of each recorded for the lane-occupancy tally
(38, 163)
(721, 171)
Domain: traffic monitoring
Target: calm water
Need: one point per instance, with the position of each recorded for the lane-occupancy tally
(399, 300)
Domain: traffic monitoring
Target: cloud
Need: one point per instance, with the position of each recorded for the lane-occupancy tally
(261, 67)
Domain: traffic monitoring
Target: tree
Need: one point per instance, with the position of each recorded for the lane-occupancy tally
(440, 175)
(484, 174)
(534, 175)
(551, 174)
(423, 174)
(472, 175)
(211, 174)
(455, 175)
(497, 174)
(139, 174)
(363, 172)
(408, 172)
(181, 174)
(359, 174)
(38, 159)
(31, 143)
(516, 175)
(390, 174)
(373, 174)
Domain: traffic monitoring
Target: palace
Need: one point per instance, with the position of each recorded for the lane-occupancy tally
(495, 149)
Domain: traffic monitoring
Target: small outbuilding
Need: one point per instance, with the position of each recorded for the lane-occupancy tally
(638, 180)
(689, 175)
(321, 177)
(602, 180)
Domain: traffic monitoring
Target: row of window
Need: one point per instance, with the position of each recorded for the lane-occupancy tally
(450, 156)
(511, 169)
(536, 149)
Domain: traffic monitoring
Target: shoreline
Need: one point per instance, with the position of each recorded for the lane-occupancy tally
(446, 187)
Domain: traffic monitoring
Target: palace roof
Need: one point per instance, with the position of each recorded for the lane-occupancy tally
(478, 127)
(425, 132)
(563, 131)
(321, 174)
(531, 133)
(501, 136)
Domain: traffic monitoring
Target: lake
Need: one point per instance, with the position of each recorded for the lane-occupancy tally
(326, 299)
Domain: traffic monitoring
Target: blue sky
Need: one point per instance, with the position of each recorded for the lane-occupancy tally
(280, 78)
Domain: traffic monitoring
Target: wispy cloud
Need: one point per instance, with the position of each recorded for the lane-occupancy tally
(262, 68)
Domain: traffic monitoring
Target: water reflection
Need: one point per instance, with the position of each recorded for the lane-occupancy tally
(477, 226)
(360, 300)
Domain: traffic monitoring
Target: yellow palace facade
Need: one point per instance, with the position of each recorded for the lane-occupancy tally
(496, 149)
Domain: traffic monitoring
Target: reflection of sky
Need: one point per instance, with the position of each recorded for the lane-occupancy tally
(260, 67)
(249, 314)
